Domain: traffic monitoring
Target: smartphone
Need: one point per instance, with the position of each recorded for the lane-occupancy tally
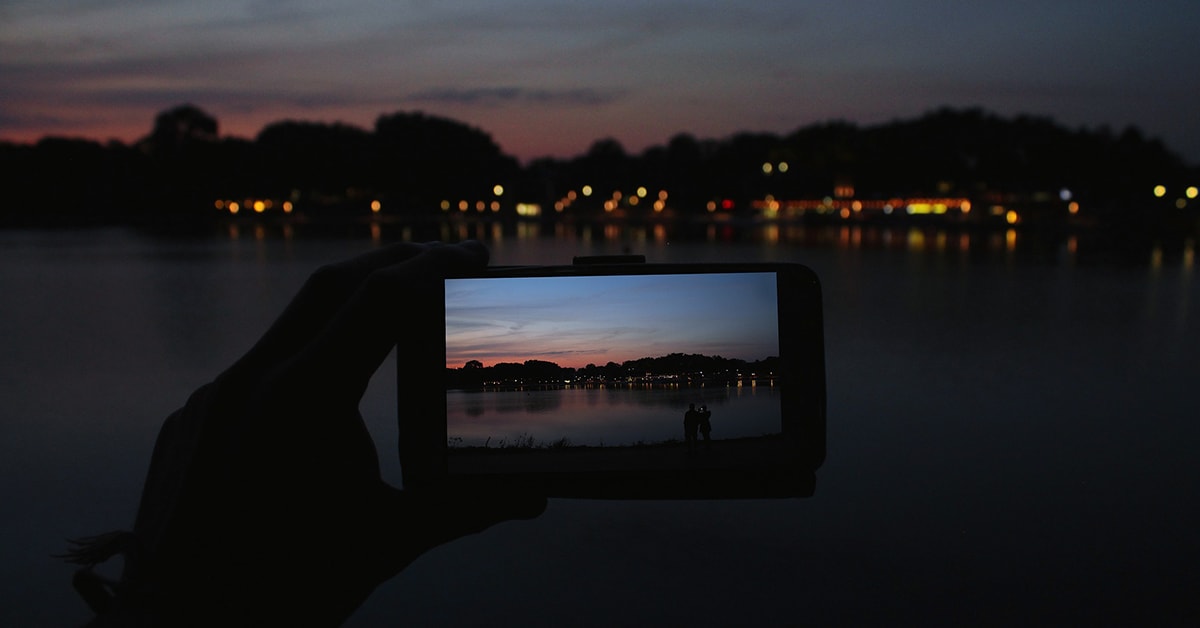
(614, 378)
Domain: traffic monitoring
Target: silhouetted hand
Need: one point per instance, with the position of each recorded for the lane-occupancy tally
(264, 503)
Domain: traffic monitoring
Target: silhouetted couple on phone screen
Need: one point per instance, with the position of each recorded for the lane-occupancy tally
(696, 421)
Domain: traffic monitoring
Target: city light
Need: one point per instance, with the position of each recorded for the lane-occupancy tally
(1011, 217)
(1160, 191)
(375, 206)
(767, 168)
(641, 192)
(1192, 192)
(587, 190)
(287, 207)
(498, 190)
(782, 167)
(1073, 208)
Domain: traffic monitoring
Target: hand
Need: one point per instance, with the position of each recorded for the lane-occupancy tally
(264, 502)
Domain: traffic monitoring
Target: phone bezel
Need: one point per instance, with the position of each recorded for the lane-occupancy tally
(421, 387)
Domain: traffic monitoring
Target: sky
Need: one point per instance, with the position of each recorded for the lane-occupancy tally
(576, 321)
(548, 78)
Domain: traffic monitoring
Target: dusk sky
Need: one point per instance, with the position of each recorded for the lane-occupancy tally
(574, 321)
(549, 78)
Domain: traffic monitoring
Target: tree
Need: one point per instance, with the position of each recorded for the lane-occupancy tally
(176, 128)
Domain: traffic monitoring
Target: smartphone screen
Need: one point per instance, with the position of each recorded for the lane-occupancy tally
(612, 372)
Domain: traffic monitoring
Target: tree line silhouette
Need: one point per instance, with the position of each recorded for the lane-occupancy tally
(414, 163)
(676, 367)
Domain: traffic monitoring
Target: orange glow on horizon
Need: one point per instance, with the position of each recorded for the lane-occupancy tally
(576, 362)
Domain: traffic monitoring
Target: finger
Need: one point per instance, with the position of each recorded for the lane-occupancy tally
(318, 301)
(417, 521)
(447, 517)
(401, 298)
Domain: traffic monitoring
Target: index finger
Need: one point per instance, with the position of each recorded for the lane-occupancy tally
(393, 301)
(322, 296)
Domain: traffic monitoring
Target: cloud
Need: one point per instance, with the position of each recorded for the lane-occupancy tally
(501, 96)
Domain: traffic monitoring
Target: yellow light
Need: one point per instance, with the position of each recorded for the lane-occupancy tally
(1011, 217)
(782, 167)
(498, 190)
(1160, 191)
(233, 207)
(1181, 203)
(529, 209)
(376, 206)
(965, 207)
(1192, 192)
(767, 168)
(641, 192)
(259, 207)
(445, 205)
(587, 190)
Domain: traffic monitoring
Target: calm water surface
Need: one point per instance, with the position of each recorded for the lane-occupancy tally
(611, 416)
(1013, 434)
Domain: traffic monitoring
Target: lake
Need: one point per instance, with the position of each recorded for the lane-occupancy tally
(614, 415)
(1012, 430)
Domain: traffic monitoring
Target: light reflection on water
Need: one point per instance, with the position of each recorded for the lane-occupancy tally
(611, 416)
(656, 239)
(1011, 420)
